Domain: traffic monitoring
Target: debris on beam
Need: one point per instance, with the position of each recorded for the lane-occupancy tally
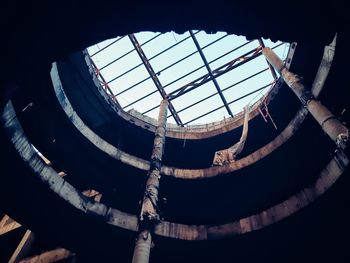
(230, 154)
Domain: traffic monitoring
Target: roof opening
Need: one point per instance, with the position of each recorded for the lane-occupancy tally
(206, 77)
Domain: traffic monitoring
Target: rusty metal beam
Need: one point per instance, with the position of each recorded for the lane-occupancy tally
(149, 216)
(272, 70)
(164, 69)
(338, 132)
(103, 82)
(226, 88)
(254, 53)
(232, 101)
(207, 66)
(154, 77)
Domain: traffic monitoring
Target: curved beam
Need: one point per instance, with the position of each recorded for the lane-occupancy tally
(142, 164)
(55, 182)
(327, 178)
(96, 140)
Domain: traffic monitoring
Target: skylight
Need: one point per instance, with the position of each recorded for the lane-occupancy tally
(207, 77)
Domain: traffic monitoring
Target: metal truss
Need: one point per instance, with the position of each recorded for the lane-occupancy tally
(154, 76)
(211, 76)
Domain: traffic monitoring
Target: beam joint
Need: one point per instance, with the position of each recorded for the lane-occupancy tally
(216, 84)
(154, 77)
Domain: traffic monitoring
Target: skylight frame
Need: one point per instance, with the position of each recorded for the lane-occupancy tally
(161, 88)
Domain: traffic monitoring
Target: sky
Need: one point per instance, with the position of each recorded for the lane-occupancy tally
(128, 71)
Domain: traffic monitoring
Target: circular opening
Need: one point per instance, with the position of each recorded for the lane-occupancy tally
(206, 77)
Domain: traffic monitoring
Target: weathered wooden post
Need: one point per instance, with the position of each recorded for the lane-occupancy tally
(149, 215)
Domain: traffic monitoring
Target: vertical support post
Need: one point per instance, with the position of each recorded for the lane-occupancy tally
(329, 123)
(149, 215)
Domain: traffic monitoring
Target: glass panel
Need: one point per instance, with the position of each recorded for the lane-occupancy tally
(173, 57)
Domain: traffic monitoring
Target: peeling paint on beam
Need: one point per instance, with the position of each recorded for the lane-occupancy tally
(336, 130)
(259, 154)
(55, 182)
(327, 178)
(87, 132)
(139, 163)
(173, 230)
(276, 213)
(142, 164)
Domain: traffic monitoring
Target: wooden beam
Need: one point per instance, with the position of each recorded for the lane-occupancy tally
(7, 224)
(23, 247)
(9, 227)
(4, 220)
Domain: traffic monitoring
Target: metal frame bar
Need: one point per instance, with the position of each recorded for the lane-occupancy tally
(220, 70)
(223, 55)
(235, 100)
(124, 55)
(227, 88)
(167, 67)
(103, 82)
(189, 73)
(153, 108)
(118, 58)
(210, 76)
(272, 70)
(110, 44)
(216, 84)
(154, 77)
(170, 47)
(254, 53)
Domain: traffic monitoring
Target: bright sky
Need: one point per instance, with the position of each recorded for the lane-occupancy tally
(128, 71)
